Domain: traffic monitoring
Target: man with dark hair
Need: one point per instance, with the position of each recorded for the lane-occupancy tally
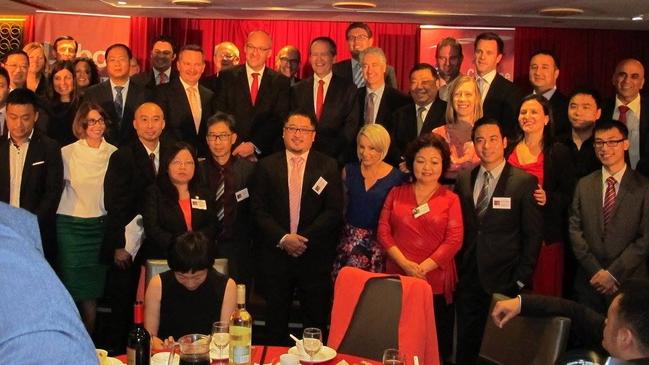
(118, 96)
(163, 53)
(502, 234)
(297, 206)
(500, 98)
(16, 62)
(330, 99)
(31, 167)
(448, 54)
(544, 72)
(228, 177)
(359, 37)
(4, 92)
(256, 96)
(609, 221)
(623, 333)
(65, 48)
(187, 104)
(631, 108)
(424, 114)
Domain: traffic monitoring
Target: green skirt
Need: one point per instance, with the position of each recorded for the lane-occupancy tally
(79, 241)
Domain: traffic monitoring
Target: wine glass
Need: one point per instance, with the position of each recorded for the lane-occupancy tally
(312, 341)
(392, 357)
(220, 336)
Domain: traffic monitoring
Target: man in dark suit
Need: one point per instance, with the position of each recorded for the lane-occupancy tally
(228, 178)
(118, 96)
(16, 62)
(609, 221)
(4, 92)
(31, 168)
(162, 56)
(426, 113)
(544, 72)
(131, 169)
(297, 206)
(330, 100)
(500, 98)
(185, 103)
(359, 37)
(502, 235)
(226, 55)
(257, 96)
(632, 109)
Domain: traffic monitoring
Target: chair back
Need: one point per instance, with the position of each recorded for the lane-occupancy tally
(375, 323)
(156, 266)
(524, 340)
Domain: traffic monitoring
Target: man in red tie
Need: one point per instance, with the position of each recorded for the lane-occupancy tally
(330, 100)
(632, 109)
(163, 53)
(256, 96)
(297, 207)
(609, 221)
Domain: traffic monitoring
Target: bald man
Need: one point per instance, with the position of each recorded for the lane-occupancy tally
(226, 55)
(131, 169)
(257, 96)
(287, 63)
(630, 107)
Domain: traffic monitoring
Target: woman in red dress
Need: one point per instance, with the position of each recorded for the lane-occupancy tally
(421, 229)
(536, 153)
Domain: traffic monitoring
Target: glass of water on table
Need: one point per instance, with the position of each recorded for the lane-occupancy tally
(312, 341)
(392, 357)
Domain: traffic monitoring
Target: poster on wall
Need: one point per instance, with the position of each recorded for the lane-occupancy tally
(431, 35)
(93, 33)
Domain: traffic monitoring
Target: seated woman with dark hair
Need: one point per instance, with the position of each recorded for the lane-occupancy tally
(189, 297)
(177, 203)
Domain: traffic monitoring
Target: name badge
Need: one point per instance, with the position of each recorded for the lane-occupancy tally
(199, 204)
(319, 185)
(242, 194)
(420, 210)
(502, 203)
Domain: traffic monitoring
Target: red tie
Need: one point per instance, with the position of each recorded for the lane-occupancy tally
(319, 101)
(254, 88)
(609, 200)
(623, 110)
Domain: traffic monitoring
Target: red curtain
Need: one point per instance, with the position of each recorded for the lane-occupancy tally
(28, 30)
(587, 56)
(399, 41)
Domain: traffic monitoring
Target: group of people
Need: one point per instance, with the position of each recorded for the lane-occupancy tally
(464, 183)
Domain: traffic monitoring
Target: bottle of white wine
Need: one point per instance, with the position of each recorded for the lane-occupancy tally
(240, 331)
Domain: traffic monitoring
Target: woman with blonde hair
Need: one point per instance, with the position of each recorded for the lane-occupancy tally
(367, 183)
(36, 78)
(463, 109)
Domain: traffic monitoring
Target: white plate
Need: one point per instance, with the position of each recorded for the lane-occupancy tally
(114, 361)
(161, 358)
(325, 354)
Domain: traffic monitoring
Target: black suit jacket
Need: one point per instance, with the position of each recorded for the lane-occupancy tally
(607, 114)
(128, 175)
(503, 246)
(344, 70)
(404, 123)
(559, 103)
(147, 78)
(559, 179)
(120, 131)
(320, 214)
(164, 220)
(261, 123)
(179, 122)
(338, 124)
(502, 103)
(211, 82)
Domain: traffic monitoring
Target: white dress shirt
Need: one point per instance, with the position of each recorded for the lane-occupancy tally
(495, 175)
(488, 79)
(377, 100)
(316, 82)
(17, 157)
(618, 178)
(250, 71)
(124, 92)
(156, 151)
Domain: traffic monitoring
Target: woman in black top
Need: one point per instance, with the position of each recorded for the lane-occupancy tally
(63, 103)
(190, 297)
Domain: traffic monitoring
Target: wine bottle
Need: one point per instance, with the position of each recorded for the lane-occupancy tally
(138, 348)
(240, 331)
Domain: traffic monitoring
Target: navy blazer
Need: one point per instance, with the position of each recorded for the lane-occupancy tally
(404, 123)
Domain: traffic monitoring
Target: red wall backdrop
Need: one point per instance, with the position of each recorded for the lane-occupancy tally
(399, 41)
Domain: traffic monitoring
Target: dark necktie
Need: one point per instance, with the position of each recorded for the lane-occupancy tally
(319, 100)
(220, 195)
(609, 200)
(119, 101)
(623, 110)
(163, 78)
(369, 108)
(483, 198)
(420, 119)
(152, 158)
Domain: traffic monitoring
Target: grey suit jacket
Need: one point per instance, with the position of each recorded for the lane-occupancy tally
(623, 248)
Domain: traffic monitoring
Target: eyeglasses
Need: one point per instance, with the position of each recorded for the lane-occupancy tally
(251, 48)
(295, 130)
(219, 137)
(611, 143)
(92, 122)
(178, 163)
(361, 37)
